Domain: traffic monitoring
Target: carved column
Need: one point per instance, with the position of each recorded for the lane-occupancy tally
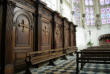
(3, 13)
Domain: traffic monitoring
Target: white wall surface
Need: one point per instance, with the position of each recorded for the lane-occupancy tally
(83, 37)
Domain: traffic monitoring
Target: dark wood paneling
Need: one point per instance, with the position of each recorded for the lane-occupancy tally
(9, 60)
(23, 23)
(66, 34)
(75, 35)
(72, 34)
(19, 33)
(3, 34)
(44, 28)
(9, 51)
(58, 31)
(0, 30)
(22, 30)
(0, 23)
(28, 30)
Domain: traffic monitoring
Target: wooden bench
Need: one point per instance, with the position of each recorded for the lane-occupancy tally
(41, 56)
(100, 56)
(37, 57)
(34, 58)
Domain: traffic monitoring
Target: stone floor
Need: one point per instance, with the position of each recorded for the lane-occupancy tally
(68, 67)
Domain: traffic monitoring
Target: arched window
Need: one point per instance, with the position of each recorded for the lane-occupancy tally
(89, 12)
(105, 11)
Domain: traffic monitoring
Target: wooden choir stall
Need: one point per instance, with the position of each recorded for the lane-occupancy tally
(33, 34)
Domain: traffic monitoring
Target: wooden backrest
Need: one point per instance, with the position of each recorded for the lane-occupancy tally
(101, 49)
(95, 53)
(36, 53)
(97, 48)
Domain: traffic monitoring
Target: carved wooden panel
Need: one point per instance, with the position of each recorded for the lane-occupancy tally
(58, 31)
(45, 28)
(9, 19)
(23, 31)
(22, 34)
(8, 41)
(45, 33)
(66, 34)
(58, 35)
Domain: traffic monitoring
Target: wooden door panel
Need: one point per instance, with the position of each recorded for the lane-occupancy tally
(58, 31)
(72, 35)
(45, 33)
(22, 34)
(58, 35)
(45, 28)
(23, 29)
(66, 34)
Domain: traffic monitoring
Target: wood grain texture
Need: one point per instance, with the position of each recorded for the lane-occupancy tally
(22, 34)
(66, 33)
(19, 35)
(44, 28)
(58, 31)
(0, 30)
(72, 35)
